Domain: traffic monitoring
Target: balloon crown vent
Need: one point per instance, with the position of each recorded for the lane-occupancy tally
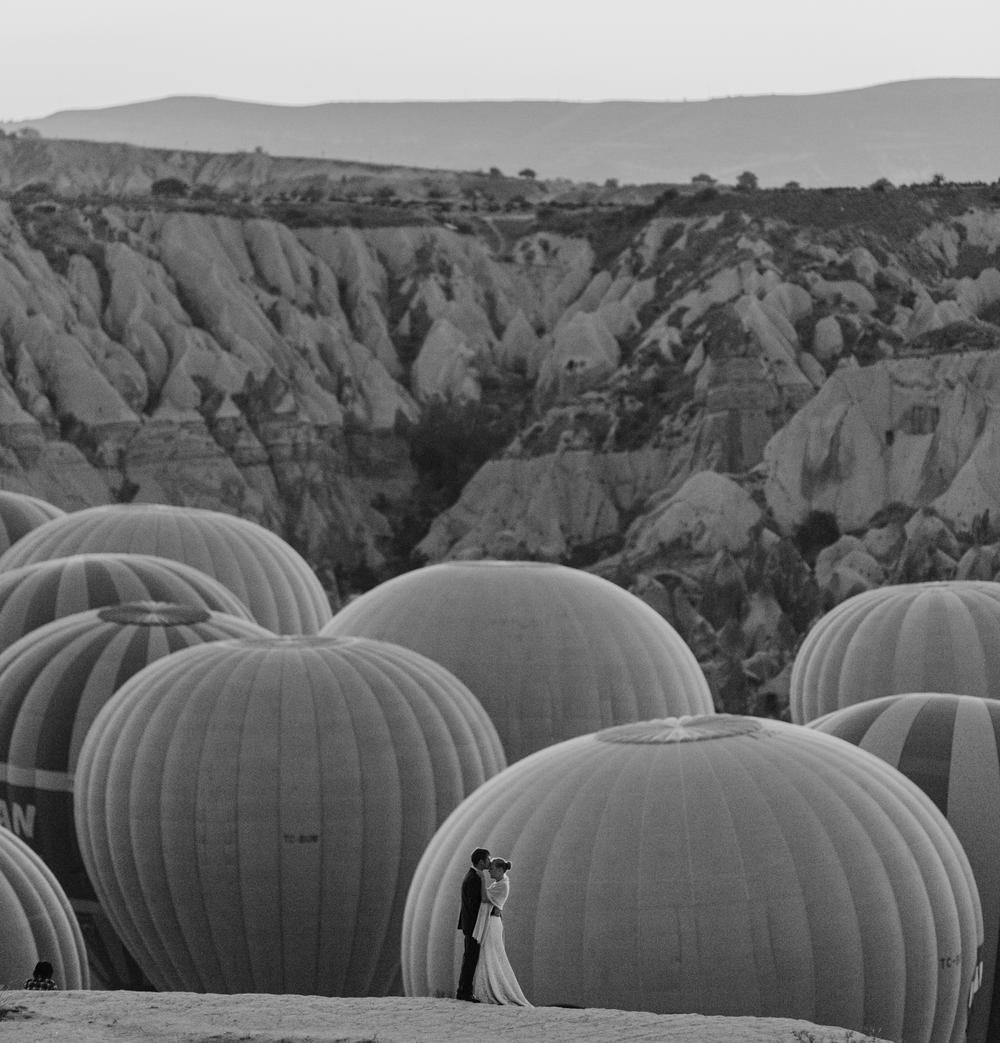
(681, 729)
(153, 614)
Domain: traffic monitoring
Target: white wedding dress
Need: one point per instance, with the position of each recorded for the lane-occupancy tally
(494, 981)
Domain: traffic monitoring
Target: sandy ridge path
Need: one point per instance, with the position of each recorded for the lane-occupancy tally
(105, 1017)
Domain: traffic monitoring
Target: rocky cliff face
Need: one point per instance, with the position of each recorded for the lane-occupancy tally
(695, 398)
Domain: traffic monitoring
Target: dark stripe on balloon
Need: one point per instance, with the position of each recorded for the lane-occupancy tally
(135, 656)
(56, 733)
(42, 608)
(102, 589)
(926, 754)
(854, 726)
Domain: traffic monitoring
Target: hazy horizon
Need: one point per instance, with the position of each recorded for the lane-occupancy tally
(111, 53)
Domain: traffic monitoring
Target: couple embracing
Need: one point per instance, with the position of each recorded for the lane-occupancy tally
(486, 975)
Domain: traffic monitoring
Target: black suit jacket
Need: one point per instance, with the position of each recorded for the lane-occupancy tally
(472, 895)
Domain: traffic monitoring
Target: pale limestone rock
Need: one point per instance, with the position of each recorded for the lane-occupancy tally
(623, 286)
(790, 300)
(721, 288)
(813, 371)
(593, 294)
(12, 413)
(923, 319)
(583, 354)
(77, 389)
(846, 568)
(923, 527)
(278, 260)
(865, 266)
(947, 312)
(754, 245)
(54, 471)
(619, 318)
(548, 505)
(704, 379)
(696, 359)
(664, 338)
(975, 295)
(82, 276)
(942, 242)
(846, 291)
(846, 581)
(709, 513)
(379, 401)
(344, 252)
(976, 486)
(552, 271)
(445, 366)
(915, 431)
(30, 388)
(828, 338)
(982, 228)
(653, 235)
(641, 292)
(778, 344)
(183, 464)
(140, 292)
(520, 347)
(978, 563)
(122, 371)
(885, 542)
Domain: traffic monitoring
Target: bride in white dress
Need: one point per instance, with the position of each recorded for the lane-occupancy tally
(494, 981)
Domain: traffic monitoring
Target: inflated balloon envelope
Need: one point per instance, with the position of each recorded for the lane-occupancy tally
(551, 652)
(53, 683)
(717, 865)
(909, 637)
(261, 569)
(948, 745)
(250, 812)
(38, 923)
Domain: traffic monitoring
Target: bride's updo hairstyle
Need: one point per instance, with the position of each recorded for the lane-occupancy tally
(501, 863)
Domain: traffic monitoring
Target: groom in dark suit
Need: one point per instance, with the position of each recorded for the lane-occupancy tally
(472, 896)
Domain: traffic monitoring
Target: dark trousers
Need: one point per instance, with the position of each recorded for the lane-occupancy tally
(469, 960)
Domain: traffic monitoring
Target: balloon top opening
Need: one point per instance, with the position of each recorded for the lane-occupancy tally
(681, 729)
(499, 563)
(153, 614)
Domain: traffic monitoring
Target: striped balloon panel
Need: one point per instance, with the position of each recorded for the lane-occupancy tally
(759, 874)
(265, 573)
(20, 513)
(250, 812)
(949, 745)
(551, 652)
(915, 637)
(53, 682)
(38, 923)
(33, 595)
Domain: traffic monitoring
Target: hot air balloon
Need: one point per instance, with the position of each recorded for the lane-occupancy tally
(551, 652)
(38, 923)
(263, 571)
(20, 513)
(946, 744)
(33, 595)
(53, 682)
(915, 637)
(718, 865)
(250, 812)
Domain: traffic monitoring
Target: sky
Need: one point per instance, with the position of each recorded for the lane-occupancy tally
(64, 54)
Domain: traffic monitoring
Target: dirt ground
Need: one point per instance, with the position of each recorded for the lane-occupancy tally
(103, 1017)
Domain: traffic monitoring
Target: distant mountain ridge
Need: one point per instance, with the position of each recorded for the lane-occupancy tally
(906, 132)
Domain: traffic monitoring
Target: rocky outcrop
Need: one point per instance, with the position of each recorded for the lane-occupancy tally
(700, 413)
(918, 431)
